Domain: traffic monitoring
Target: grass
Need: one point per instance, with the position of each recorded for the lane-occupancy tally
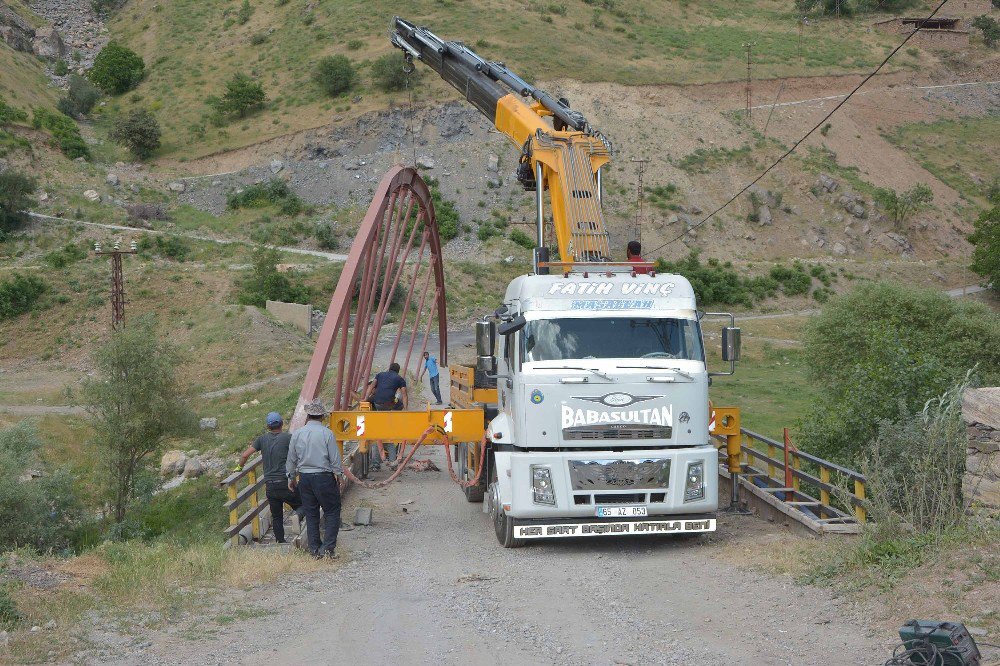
(24, 83)
(192, 46)
(960, 152)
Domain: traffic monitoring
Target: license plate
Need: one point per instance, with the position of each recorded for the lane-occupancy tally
(620, 511)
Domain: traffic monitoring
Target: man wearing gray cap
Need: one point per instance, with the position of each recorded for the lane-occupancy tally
(273, 447)
(315, 458)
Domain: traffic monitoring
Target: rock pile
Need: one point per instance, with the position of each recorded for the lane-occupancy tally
(981, 486)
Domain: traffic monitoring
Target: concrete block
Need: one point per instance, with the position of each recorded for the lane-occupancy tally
(296, 314)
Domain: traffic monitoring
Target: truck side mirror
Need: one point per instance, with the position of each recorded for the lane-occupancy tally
(730, 344)
(512, 326)
(486, 336)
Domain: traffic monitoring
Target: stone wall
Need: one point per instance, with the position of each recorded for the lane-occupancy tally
(981, 487)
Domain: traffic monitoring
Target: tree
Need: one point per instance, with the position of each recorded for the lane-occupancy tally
(883, 348)
(990, 28)
(81, 97)
(15, 200)
(265, 283)
(138, 131)
(134, 403)
(900, 206)
(389, 73)
(986, 238)
(335, 74)
(243, 94)
(117, 69)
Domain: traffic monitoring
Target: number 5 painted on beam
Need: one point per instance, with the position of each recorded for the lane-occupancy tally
(361, 426)
(448, 427)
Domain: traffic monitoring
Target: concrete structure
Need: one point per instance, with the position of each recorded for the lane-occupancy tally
(981, 413)
(296, 314)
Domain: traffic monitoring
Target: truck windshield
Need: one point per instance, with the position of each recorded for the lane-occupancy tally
(619, 337)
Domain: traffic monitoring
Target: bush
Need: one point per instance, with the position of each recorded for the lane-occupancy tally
(274, 192)
(41, 513)
(15, 200)
(10, 114)
(389, 73)
(171, 247)
(986, 239)
(326, 235)
(522, 239)
(244, 13)
(63, 130)
(137, 130)
(445, 213)
(68, 254)
(10, 616)
(335, 75)
(81, 97)
(794, 281)
(243, 95)
(718, 283)
(356, 44)
(265, 283)
(19, 294)
(990, 28)
(884, 348)
(915, 467)
(117, 69)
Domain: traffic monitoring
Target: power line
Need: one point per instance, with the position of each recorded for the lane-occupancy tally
(807, 134)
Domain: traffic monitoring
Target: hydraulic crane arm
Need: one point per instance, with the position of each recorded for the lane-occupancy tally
(564, 157)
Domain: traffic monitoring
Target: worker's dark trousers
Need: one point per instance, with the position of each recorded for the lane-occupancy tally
(278, 495)
(436, 387)
(321, 491)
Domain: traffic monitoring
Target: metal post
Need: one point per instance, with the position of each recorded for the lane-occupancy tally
(640, 163)
(234, 513)
(117, 281)
(733, 449)
(749, 113)
(859, 492)
(252, 481)
(600, 188)
(539, 219)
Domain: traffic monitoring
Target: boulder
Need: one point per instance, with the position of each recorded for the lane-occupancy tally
(839, 248)
(894, 242)
(493, 162)
(276, 166)
(425, 162)
(92, 195)
(766, 219)
(208, 423)
(111, 179)
(14, 30)
(172, 463)
(48, 43)
(176, 186)
(827, 183)
(193, 468)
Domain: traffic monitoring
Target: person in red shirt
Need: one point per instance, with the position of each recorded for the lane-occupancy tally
(634, 253)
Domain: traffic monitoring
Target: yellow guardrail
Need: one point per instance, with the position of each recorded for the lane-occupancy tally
(244, 488)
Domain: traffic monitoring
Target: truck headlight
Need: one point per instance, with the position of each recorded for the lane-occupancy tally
(541, 485)
(694, 482)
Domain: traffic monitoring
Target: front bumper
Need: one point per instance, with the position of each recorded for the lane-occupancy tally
(548, 529)
(663, 498)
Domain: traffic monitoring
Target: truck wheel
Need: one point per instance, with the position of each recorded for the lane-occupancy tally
(503, 524)
(476, 493)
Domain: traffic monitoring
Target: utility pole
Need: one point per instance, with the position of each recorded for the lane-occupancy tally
(749, 46)
(117, 281)
(640, 165)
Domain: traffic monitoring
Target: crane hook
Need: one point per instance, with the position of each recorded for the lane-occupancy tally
(409, 67)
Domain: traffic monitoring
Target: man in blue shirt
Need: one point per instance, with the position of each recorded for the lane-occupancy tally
(382, 394)
(431, 365)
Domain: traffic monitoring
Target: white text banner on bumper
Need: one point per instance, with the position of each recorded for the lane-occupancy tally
(617, 528)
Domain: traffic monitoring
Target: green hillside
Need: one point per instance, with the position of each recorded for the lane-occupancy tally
(192, 46)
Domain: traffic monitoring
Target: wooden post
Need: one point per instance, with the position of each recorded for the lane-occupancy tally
(234, 514)
(824, 494)
(252, 480)
(859, 492)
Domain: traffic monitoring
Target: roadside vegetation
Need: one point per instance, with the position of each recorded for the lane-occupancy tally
(986, 239)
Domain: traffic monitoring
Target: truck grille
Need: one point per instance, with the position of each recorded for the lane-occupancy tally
(619, 474)
(604, 432)
(626, 498)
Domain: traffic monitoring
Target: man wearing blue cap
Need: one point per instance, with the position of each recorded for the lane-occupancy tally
(273, 446)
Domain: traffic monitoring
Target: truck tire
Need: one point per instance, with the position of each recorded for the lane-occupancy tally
(473, 494)
(503, 524)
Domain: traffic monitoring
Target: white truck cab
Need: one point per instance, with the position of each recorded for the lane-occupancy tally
(602, 422)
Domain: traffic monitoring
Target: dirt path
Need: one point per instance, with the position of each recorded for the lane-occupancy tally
(427, 584)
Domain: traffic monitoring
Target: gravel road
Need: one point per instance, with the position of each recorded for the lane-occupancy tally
(427, 584)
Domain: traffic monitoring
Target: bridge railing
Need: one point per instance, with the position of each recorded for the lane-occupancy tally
(827, 493)
(244, 490)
